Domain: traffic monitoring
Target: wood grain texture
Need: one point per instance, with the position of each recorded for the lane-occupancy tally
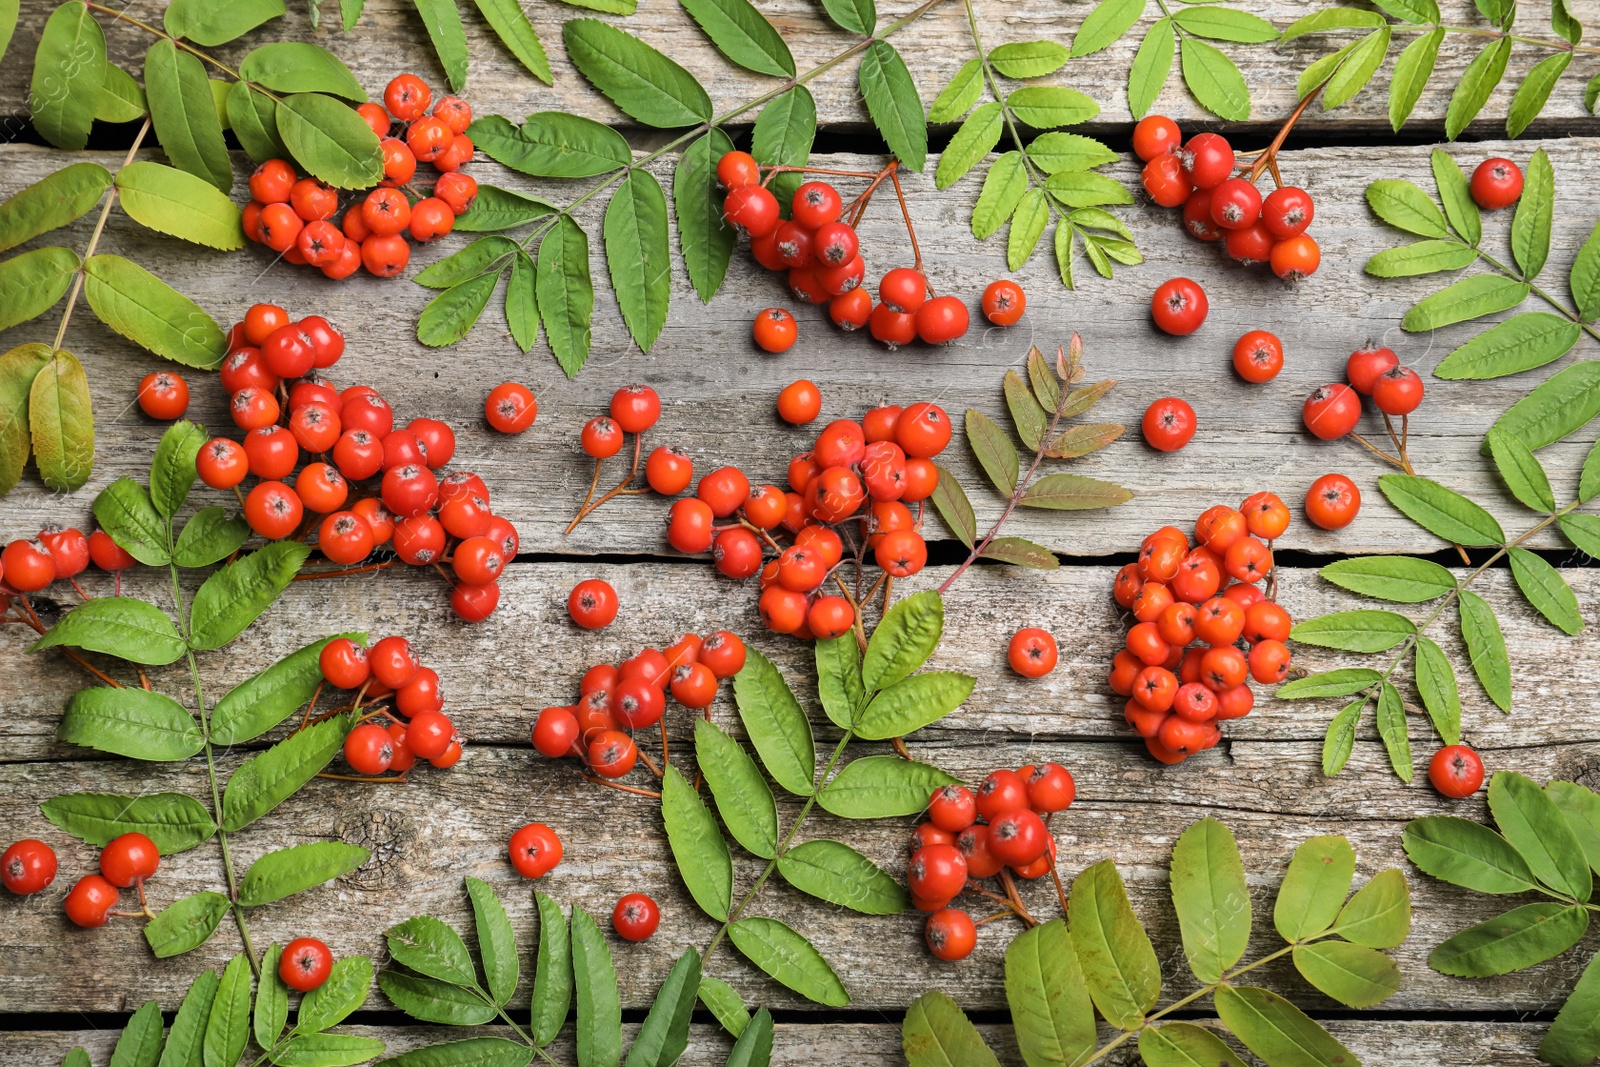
(718, 391)
(934, 49)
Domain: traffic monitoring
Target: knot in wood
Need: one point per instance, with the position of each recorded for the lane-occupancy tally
(388, 835)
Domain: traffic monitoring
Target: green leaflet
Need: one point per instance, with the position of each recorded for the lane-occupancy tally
(1357, 69)
(953, 506)
(131, 722)
(1483, 73)
(140, 1040)
(1486, 647)
(1546, 590)
(1276, 1030)
(61, 423)
(1420, 257)
(68, 69)
(501, 209)
(993, 450)
(1530, 226)
(174, 821)
(1456, 196)
(1214, 80)
(123, 509)
(1405, 206)
(210, 536)
(1032, 59)
(268, 779)
(264, 700)
(271, 1013)
(789, 959)
(1340, 739)
(1073, 492)
(185, 924)
(1101, 28)
(231, 599)
(1027, 226)
(1574, 1038)
(1436, 683)
(1056, 152)
(339, 1050)
(893, 104)
(697, 846)
(1049, 106)
(1118, 961)
(1467, 854)
(903, 640)
(432, 949)
(835, 872)
(565, 293)
(881, 787)
(1521, 343)
(522, 302)
(725, 1004)
(152, 314)
(298, 67)
(912, 703)
(431, 1001)
(443, 23)
(1441, 511)
(1392, 730)
(642, 82)
(1516, 940)
(483, 255)
(551, 144)
(1335, 683)
(1002, 191)
(33, 281)
(1354, 631)
(783, 134)
(743, 34)
(742, 796)
(51, 202)
(18, 368)
(1151, 66)
(1211, 898)
(292, 870)
(957, 98)
(210, 22)
(340, 994)
(1558, 406)
(1402, 579)
(1184, 1045)
(775, 723)
(1534, 91)
(857, 16)
(172, 471)
(754, 1045)
(552, 980)
(124, 627)
(253, 117)
(662, 1038)
(1314, 887)
(599, 1023)
(1355, 976)
(330, 140)
(510, 24)
(1021, 552)
(1584, 279)
(1536, 828)
(976, 137)
(937, 1033)
(705, 239)
(638, 255)
(839, 685)
(450, 316)
(228, 1026)
(1078, 189)
(184, 114)
(185, 1045)
(1379, 915)
(1050, 1005)
(1412, 70)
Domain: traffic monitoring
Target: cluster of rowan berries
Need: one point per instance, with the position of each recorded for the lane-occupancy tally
(1373, 371)
(430, 519)
(1002, 830)
(1218, 205)
(418, 728)
(821, 254)
(615, 700)
(294, 215)
(29, 866)
(1182, 669)
(57, 554)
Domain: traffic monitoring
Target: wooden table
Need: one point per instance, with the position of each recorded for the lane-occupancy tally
(1264, 780)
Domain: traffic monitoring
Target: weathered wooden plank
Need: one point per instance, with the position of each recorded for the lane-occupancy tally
(718, 391)
(543, 654)
(934, 50)
(1392, 1043)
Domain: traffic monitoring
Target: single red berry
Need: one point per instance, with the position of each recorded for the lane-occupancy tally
(89, 901)
(635, 917)
(1456, 771)
(950, 934)
(1207, 159)
(592, 603)
(27, 867)
(635, 408)
(1004, 302)
(601, 438)
(942, 319)
(816, 204)
(1332, 502)
(1155, 135)
(737, 168)
(1397, 391)
(510, 407)
(368, 749)
(1295, 258)
(1496, 183)
(1179, 307)
(1001, 792)
(68, 549)
(430, 734)
(1258, 356)
(1050, 787)
(344, 663)
(1332, 411)
(129, 858)
(555, 732)
(1032, 652)
(953, 808)
(305, 964)
(1168, 424)
(1287, 211)
(774, 330)
(27, 566)
(1235, 204)
(164, 395)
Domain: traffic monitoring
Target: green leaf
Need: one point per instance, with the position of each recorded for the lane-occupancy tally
(638, 256)
(140, 1041)
(1211, 898)
(1534, 91)
(61, 422)
(483, 255)
(228, 1027)
(76, 1058)
(993, 450)
(743, 798)
(1022, 553)
(1405, 206)
(552, 979)
(1357, 69)
(1340, 740)
(1354, 631)
(176, 822)
(783, 134)
(1031, 59)
(253, 117)
(893, 104)
(882, 787)
(185, 1045)
(501, 209)
(172, 471)
(124, 511)
(1103, 26)
(265, 700)
(1059, 153)
(1331, 18)
(1379, 915)
(8, 26)
(184, 114)
(1321, 70)
(1559, 405)
(1050, 1006)
(839, 680)
(1032, 213)
(743, 34)
(124, 627)
(1530, 227)
(1583, 531)
(298, 67)
(1441, 511)
(1584, 280)
(754, 1045)
(857, 16)
(976, 137)
(697, 846)
(566, 295)
(431, 1001)
(341, 993)
(432, 949)
(1486, 647)
(131, 722)
(1118, 961)
(1336, 683)
(903, 640)
(1436, 682)
(644, 84)
(551, 144)
(443, 23)
(1467, 854)
(775, 723)
(937, 1033)
(599, 1008)
(1456, 196)
(510, 24)
(272, 1000)
(330, 140)
(1276, 1030)
(34, 281)
(1574, 1038)
(51, 202)
(1225, 24)
(1514, 941)
(1355, 976)
(1521, 343)
(185, 924)
(231, 599)
(1002, 191)
(213, 22)
(1314, 887)
(152, 314)
(1420, 257)
(725, 1004)
(1184, 1045)
(1402, 579)
(950, 501)
(346, 1050)
(1546, 590)
(705, 239)
(838, 874)
(450, 316)
(1152, 64)
(18, 368)
(1073, 492)
(1581, 806)
(1046, 107)
(1417, 12)
(957, 98)
(1392, 729)
(1535, 827)
(665, 1033)
(1214, 80)
(68, 69)
(267, 780)
(1483, 73)
(789, 959)
(1078, 189)
(292, 870)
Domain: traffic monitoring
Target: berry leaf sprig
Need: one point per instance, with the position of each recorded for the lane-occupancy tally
(215, 1022)
(1038, 406)
(1100, 959)
(546, 268)
(1549, 844)
(1051, 177)
(1182, 30)
(1409, 580)
(433, 979)
(1452, 228)
(1346, 72)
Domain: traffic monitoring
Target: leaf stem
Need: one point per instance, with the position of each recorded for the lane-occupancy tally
(187, 47)
(1537, 290)
(94, 239)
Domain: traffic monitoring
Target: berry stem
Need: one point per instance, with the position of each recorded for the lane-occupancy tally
(635, 790)
(622, 487)
(303, 576)
(31, 620)
(911, 231)
(1015, 897)
(1268, 156)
